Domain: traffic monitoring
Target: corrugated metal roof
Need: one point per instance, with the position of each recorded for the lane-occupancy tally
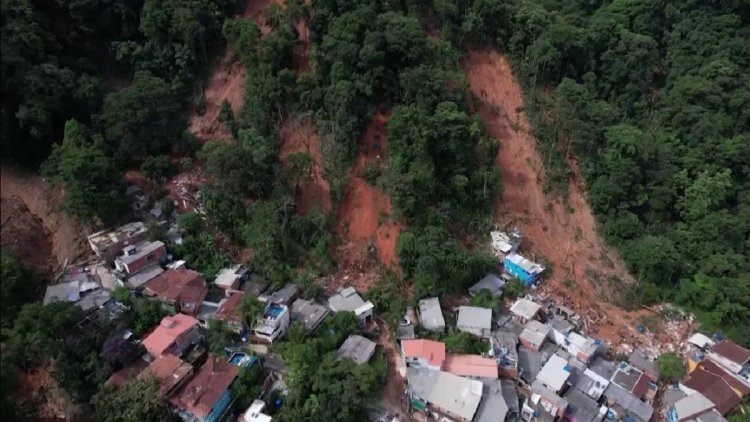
(431, 315)
(474, 317)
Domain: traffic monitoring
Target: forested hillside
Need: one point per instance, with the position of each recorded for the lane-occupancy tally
(646, 104)
(650, 103)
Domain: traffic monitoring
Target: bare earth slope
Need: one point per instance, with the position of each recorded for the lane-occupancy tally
(565, 236)
(34, 226)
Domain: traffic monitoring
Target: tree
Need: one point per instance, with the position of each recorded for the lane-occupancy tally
(246, 387)
(191, 222)
(142, 119)
(201, 254)
(118, 352)
(485, 299)
(463, 342)
(147, 313)
(137, 400)
(39, 329)
(249, 309)
(670, 367)
(514, 288)
(156, 168)
(19, 286)
(92, 185)
(218, 336)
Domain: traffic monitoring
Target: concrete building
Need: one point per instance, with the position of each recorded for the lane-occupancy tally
(81, 288)
(255, 413)
(472, 366)
(583, 348)
(534, 334)
(731, 356)
(527, 271)
(229, 278)
(207, 396)
(138, 280)
(348, 300)
(184, 289)
(227, 312)
(491, 283)
(173, 335)
(475, 320)
(273, 323)
(493, 406)
(422, 353)
(524, 310)
(108, 244)
(441, 394)
(554, 374)
(582, 408)
(310, 314)
(431, 315)
(137, 257)
(504, 349)
(559, 330)
(640, 360)
(285, 296)
(543, 401)
(357, 348)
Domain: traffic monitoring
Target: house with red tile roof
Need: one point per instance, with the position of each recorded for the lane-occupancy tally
(714, 388)
(228, 311)
(470, 366)
(127, 373)
(182, 288)
(207, 396)
(173, 335)
(170, 371)
(423, 353)
(730, 355)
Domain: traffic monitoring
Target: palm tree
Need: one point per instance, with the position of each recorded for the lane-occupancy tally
(249, 309)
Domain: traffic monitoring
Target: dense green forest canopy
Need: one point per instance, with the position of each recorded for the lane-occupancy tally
(653, 101)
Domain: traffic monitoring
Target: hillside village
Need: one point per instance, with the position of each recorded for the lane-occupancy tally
(534, 360)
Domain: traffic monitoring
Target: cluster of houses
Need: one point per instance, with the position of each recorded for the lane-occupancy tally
(539, 367)
(197, 385)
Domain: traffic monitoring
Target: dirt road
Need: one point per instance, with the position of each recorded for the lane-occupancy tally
(393, 392)
(565, 235)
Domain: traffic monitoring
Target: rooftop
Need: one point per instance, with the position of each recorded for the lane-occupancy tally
(357, 348)
(632, 404)
(136, 252)
(169, 329)
(228, 306)
(310, 313)
(700, 340)
(429, 350)
(405, 332)
(347, 300)
(145, 275)
(255, 413)
(603, 367)
(639, 359)
(491, 283)
(560, 325)
(470, 366)
(430, 314)
(732, 351)
(535, 332)
(631, 380)
(285, 295)
(693, 405)
(525, 308)
(457, 395)
(581, 407)
(227, 277)
(592, 384)
(180, 286)
(170, 370)
(548, 394)
(493, 406)
(730, 378)
(714, 388)
(105, 238)
(554, 373)
(200, 394)
(526, 264)
(529, 362)
(511, 395)
(474, 317)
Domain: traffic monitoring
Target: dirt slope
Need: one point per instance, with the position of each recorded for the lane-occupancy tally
(564, 236)
(227, 82)
(357, 225)
(34, 226)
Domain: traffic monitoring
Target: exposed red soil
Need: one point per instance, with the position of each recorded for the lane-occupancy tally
(564, 235)
(227, 83)
(364, 207)
(39, 392)
(299, 136)
(33, 225)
